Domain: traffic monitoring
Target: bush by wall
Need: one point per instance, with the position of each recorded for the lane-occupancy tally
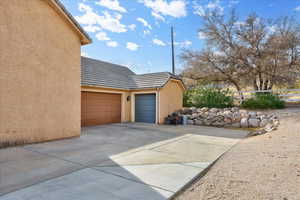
(208, 97)
(263, 101)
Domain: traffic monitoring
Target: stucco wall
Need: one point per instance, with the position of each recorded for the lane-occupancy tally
(170, 99)
(39, 73)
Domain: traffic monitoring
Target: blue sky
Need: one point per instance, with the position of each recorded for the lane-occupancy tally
(136, 33)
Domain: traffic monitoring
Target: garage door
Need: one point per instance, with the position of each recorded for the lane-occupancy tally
(100, 108)
(145, 108)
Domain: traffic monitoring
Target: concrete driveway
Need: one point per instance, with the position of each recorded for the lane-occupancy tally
(119, 161)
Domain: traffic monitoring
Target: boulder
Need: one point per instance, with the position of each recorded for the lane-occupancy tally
(269, 128)
(237, 117)
(193, 109)
(218, 124)
(204, 109)
(194, 116)
(214, 110)
(228, 120)
(212, 115)
(264, 122)
(227, 114)
(252, 114)
(234, 109)
(190, 122)
(244, 113)
(253, 123)
(199, 122)
(244, 122)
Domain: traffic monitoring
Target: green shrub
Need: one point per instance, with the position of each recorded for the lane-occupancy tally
(208, 97)
(187, 101)
(263, 101)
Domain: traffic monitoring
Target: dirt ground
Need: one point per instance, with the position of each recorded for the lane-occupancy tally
(258, 168)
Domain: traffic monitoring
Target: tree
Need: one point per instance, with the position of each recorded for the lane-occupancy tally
(256, 52)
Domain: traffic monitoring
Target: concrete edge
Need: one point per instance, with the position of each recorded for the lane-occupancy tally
(201, 174)
(191, 182)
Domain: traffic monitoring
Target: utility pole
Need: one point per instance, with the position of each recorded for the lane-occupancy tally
(173, 56)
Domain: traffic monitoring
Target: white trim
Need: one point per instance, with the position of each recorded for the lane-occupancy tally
(156, 104)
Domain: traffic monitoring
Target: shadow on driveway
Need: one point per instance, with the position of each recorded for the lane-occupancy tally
(118, 161)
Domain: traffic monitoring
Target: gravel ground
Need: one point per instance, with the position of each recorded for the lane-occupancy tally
(262, 167)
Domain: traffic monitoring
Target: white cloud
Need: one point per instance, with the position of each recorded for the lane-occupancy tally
(146, 32)
(186, 43)
(183, 44)
(105, 21)
(91, 28)
(102, 36)
(158, 16)
(297, 8)
(199, 10)
(239, 23)
(214, 5)
(144, 22)
(272, 29)
(112, 44)
(84, 54)
(132, 27)
(174, 8)
(132, 46)
(158, 42)
(112, 5)
(84, 8)
(201, 35)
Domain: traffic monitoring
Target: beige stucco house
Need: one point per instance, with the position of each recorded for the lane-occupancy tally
(48, 91)
(39, 71)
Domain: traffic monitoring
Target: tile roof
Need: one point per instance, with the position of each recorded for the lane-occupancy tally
(104, 74)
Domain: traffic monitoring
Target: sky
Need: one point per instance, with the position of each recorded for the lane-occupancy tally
(136, 33)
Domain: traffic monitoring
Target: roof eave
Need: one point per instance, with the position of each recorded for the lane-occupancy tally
(61, 9)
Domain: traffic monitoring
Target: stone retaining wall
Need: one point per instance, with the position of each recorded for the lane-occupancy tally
(230, 117)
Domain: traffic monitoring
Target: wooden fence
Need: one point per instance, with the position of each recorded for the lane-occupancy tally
(288, 95)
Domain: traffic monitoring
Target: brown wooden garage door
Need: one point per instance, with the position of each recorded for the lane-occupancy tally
(100, 108)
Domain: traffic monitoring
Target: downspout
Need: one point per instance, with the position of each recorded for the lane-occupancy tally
(158, 105)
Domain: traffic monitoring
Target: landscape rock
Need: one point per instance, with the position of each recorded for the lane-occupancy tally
(204, 109)
(244, 122)
(252, 114)
(227, 117)
(190, 122)
(253, 123)
(213, 110)
(264, 122)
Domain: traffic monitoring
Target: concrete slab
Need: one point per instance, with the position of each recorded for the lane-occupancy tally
(147, 157)
(20, 168)
(130, 136)
(203, 139)
(170, 177)
(193, 151)
(80, 152)
(119, 161)
(89, 184)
